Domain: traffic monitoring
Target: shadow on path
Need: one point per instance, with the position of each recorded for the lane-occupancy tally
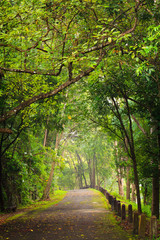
(80, 215)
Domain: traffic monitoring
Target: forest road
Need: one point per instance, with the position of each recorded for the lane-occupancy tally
(80, 215)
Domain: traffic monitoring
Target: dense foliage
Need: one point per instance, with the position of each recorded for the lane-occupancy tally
(79, 97)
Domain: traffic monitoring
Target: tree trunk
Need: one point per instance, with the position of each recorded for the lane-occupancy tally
(136, 181)
(128, 184)
(120, 186)
(156, 173)
(145, 195)
(130, 141)
(90, 171)
(120, 182)
(79, 171)
(155, 196)
(81, 168)
(1, 188)
(80, 178)
(76, 171)
(94, 172)
(45, 137)
(49, 182)
(133, 192)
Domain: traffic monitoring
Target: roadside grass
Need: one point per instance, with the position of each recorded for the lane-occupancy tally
(55, 197)
(101, 195)
(39, 204)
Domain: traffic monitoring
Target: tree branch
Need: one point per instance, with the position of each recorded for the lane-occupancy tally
(28, 102)
(138, 124)
(5, 130)
(47, 73)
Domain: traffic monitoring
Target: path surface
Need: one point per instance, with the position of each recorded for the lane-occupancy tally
(81, 215)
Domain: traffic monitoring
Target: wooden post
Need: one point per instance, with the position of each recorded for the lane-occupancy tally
(115, 204)
(153, 227)
(119, 209)
(107, 195)
(130, 218)
(123, 212)
(113, 201)
(110, 199)
(135, 223)
(142, 225)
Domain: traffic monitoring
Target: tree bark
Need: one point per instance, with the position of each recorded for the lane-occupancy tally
(120, 182)
(49, 182)
(136, 181)
(76, 171)
(1, 188)
(133, 192)
(155, 196)
(145, 195)
(94, 172)
(156, 172)
(81, 168)
(6, 130)
(90, 171)
(128, 184)
(45, 137)
(129, 139)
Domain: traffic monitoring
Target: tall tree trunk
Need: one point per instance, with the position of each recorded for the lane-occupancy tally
(128, 184)
(97, 175)
(156, 170)
(130, 141)
(120, 181)
(94, 171)
(156, 173)
(133, 192)
(1, 188)
(81, 168)
(79, 171)
(80, 179)
(145, 195)
(120, 186)
(136, 181)
(155, 195)
(90, 171)
(76, 172)
(45, 134)
(49, 182)
(45, 137)
(85, 180)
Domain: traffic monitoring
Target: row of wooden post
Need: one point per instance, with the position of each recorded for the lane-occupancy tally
(139, 221)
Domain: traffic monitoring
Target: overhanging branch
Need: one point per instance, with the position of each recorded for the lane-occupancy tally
(46, 73)
(28, 102)
(5, 130)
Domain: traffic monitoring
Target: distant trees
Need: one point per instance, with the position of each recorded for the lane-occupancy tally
(87, 159)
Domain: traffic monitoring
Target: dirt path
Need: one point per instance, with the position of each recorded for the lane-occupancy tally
(81, 215)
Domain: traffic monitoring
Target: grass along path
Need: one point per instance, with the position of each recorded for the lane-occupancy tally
(54, 199)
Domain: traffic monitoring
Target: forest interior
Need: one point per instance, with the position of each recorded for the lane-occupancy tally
(80, 99)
